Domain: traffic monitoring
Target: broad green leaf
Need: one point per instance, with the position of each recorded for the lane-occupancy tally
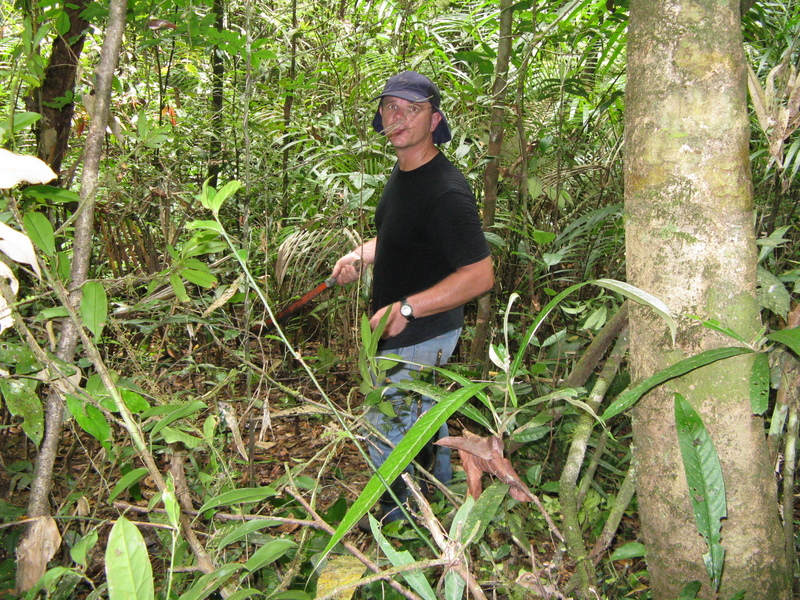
(484, 510)
(134, 401)
(90, 418)
(629, 550)
(759, 384)
(128, 570)
(23, 401)
(81, 548)
(629, 397)
(690, 590)
(177, 286)
(50, 193)
(172, 435)
(415, 579)
(94, 307)
(203, 279)
(772, 294)
(246, 529)
(210, 582)
(706, 486)
(40, 230)
(130, 478)
(787, 337)
(239, 496)
(422, 431)
(269, 553)
(205, 224)
(173, 414)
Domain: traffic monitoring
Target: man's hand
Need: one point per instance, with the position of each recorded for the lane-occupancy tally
(395, 323)
(348, 268)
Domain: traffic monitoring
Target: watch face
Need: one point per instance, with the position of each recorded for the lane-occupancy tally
(405, 310)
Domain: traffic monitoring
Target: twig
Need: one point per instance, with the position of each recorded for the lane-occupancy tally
(452, 550)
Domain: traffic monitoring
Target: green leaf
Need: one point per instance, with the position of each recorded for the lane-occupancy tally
(787, 337)
(90, 418)
(422, 431)
(51, 193)
(128, 570)
(40, 230)
(94, 307)
(706, 486)
(210, 582)
(171, 436)
(690, 590)
(484, 510)
(631, 396)
(759, 384)
(239, 496)
(172, 414)
(203, 279)
(641, 297)
(81, 548)
(205, 224)
(23, 401)
(134, 401)
(415, 579)
(177, 286)
(269, 553)
(772, 294)
(629, 550)
(246, 529)
(130, 478)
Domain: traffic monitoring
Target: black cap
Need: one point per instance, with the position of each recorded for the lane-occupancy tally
(411, 86)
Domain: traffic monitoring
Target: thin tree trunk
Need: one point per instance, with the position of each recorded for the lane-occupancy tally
(492, 173)
(218, 69)
(54, 98)
(690, 242)
(38, 504)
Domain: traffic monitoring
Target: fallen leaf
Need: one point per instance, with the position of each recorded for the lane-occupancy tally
(34, 552)
(481, 455)
(340, 570)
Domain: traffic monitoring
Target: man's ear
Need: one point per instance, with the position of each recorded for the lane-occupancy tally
(436, 118)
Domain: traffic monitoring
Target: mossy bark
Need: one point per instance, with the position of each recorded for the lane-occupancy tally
(690, 241)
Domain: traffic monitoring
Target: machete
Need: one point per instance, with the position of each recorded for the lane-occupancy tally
(295, 306)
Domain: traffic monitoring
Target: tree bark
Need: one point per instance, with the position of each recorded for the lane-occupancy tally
(492, 173)
(54, 98)
(690, 241)
(38, 504)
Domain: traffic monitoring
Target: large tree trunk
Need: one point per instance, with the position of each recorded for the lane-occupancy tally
(54, 98)
(690, 241)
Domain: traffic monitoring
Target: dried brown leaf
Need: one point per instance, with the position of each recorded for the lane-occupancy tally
(34, 552)
(481, 455)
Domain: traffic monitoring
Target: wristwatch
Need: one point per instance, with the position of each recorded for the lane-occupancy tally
(406, 310)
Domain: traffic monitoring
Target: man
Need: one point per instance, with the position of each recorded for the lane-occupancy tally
(430, 257)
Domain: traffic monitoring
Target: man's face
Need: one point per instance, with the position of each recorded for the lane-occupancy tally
(408, 124)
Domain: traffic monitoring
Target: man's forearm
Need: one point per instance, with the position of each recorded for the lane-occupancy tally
(454, 290)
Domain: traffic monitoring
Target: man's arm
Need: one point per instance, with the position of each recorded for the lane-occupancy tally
(348, 268)
(454, 290)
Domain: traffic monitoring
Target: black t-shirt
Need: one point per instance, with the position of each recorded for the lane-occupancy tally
(427, 227)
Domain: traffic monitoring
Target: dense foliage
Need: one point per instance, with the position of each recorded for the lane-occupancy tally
(239, 163)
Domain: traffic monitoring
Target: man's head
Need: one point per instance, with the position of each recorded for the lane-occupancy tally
(417, 89)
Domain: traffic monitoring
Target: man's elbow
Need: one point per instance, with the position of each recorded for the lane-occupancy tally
(486, 279)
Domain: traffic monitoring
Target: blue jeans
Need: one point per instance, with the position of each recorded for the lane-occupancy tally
(409, 407)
